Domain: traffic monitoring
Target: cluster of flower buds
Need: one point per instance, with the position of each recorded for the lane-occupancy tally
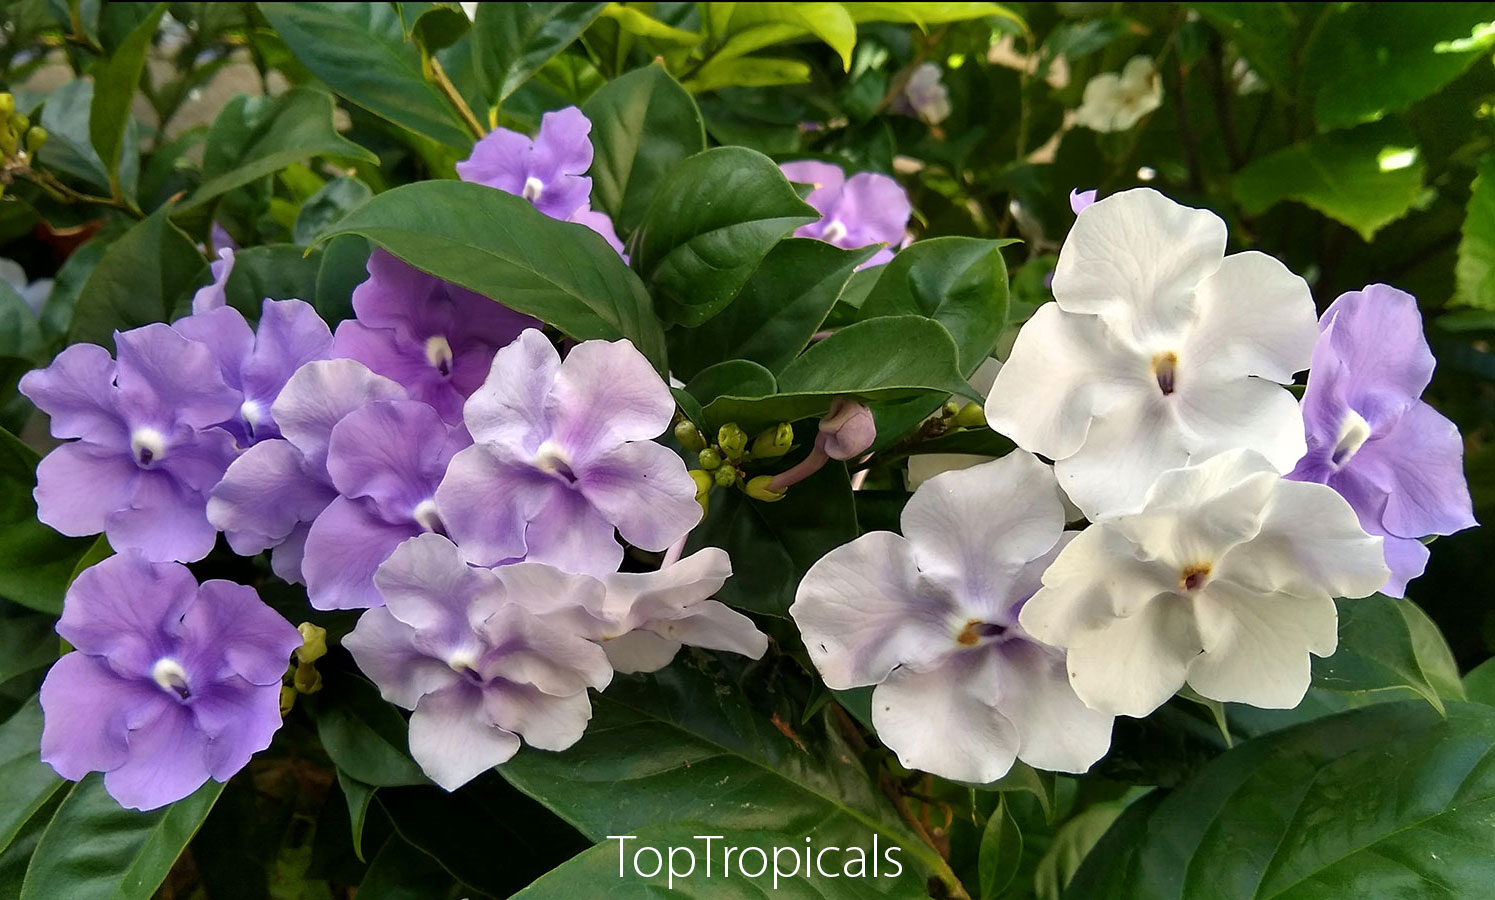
(19, 139)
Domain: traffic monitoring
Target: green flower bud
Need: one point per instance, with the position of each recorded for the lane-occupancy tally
(7, 104)
(733, 441)
(689, 436)
(35, 138)
(313, 642)
(774, 442)
(710, 458)
(7, 142)
(759, 489)
(287, 699)
(949, 410)
(704, 483)
(726, 476)
(971, 416)
(19, 123)
(307, 679)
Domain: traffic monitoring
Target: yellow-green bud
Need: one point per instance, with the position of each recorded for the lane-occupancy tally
(689, 436)
(949, 410)
(313, 642)
(774, 442)
(971, 416)
(307, 679)
(759, 489)
(7, 142)
(7, 104)
(733, 441)
(710, 458)
(287, 699)
(35, 138)
(19, 123)
(704, 482)
(726, 476)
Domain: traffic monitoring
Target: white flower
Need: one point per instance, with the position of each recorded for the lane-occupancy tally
(1158, 350)
(34, 293)
(925, 94)
(1115, 102)
(1225, 580)
(471, 9)
(930, 617)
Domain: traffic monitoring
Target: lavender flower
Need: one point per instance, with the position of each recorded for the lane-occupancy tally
(866, 208)
(1395, 458)
(171, 683)
(1080, 200)
(214, 295)
(431, 336)
(147, 455)
(258, 364)
(924, 95)
(564, 456)
(274, 491)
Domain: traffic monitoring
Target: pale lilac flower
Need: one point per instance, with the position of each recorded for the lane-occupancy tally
(258, 362)
(1116, 102)
(867, 208)
(1395, 458)
(34, 293)
(148, 453)
(924, 95)
(385, 460)
(563, 457)
(1224, 579)
(931, 618)
(458, 646)
(431, 336)
(1080, 200)
(214, 295)
(274, 491)
(1158, 350)
(170, 684)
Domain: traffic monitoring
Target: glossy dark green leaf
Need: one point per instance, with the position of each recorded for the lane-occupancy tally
(344, 267)
(686, 745)
(360, 51)
(776, 313)
(502, 247)
(1382, 803)
(1387, 644)
(1001, 852)
(57, 313)
(255, 136)
(511, 41)
(147, 275)
(1475, 269)
(115, 79)
(359, 796)
(17, 856)
(327, 206)
(69, 147)
(959, 282)
(20, 333)
(27, 643)
(272, 272)
(1479, 684)
(695, 255)
(96, 850)
(401, 872)
(364, 736)
(733, 377)
(643, 125)
(1071, 845)
(436, 25)
(26, 783)
(35, 561)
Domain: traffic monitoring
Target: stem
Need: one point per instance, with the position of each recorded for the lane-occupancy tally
(61, 192)
(448, 90)
(801, 470)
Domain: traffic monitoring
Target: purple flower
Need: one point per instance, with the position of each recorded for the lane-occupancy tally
(214, 295)
(171, 683)
(480, 670)
(147, 455)
(258, 363)
(1080, 200)
(866, 208)
(385, 460)
(1395, 458)
(431, 336)
(274, 491)
(563, 457)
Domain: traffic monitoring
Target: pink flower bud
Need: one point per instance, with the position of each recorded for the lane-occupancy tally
(847, 430)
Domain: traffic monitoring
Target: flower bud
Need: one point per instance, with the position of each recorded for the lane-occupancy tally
(733, 441)
(7, 104)
(19, 122)
(949, 409)
(7, 142)
(774, 442)
(726, 476)
(847, 430)
(710, 458)
(759, 489)
(35, 138)
(313, 642)
(689, 436)
(971, 416)
(307, 679)
(704, 482)
(287, 699)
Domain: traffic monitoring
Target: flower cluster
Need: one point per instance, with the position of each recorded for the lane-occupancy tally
(1223, 517)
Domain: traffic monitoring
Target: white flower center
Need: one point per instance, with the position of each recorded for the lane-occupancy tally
(834, 231)
(168, 673)
(252, 415)
(148, 446)
(552, 460)
(426, 516)
(465, 663)
(533, 188)
(439, 354)
(1354, 431)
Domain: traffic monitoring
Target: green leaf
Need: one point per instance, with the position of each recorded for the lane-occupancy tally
(634, 21)
(360, 51)
(363, 735)
(959, 282)
(35, 561)
(1001, 852)
(26, 783)
(1371, 59)
(732, 376)
(1389, 644)
(95, 849)
(115, 79)
(327, 207)
(887, 358)
(747, 71)
(255, 136)
(1263, 32)
(401, 872)
(1474, 271)
(1479, 684)
(500, 246)
(438, 26)
(926, 14)
(687, 745)
(777, 311)
(1070, 846)
(20, 332)
(1366, 177)
(644, 124)
(511, 41)
(753, 26)
(358, 796)
(27, 643)
(69, 148)
(271, 272)
(344, 267)
(696, 256)
(145, 276)
(1382, 803)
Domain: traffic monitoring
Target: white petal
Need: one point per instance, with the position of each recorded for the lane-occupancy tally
(635, 599)
(545, 722)
(1256, 645)
(451, 739)
(715, 626)
(1057, 732)
(863, 610)
(385, 650)
(572, 602)
(1225, 413)
(1195, 514)
(945, 721)
(1125, 452)
(1131, 666)
(1095, 578)
(640, 651)
(533, 652)
(1255, 317)
(924, 466)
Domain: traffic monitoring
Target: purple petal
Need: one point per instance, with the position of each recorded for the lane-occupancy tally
(1420, 465)
(563, 145)
(531, 651)
(87, 709)
(319, 395)
(451, 739)
(601, 223)
(1407, 558)
(385, 650)
(1079, 200)
(499, 160)
(344, 548)
(393, 453)
(644, 490)
(166, 378)
(214, 295)
(826, 180)
(125, 608)
(486, 499)
(405, 363)
(79, 484)
(264, 495)
(571, 534)
(290, 335)
(402, 298)
(285, 562)
(165, 520)
(77, 391)
(874, 208)
(224, 330)
(1376, 333)
(511, 406)
(606, 393)
(428, 586)
(168, 760)
(239, 720)
(230, 632)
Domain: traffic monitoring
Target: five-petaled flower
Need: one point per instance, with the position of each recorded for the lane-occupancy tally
(1116, 102)
(867, 208)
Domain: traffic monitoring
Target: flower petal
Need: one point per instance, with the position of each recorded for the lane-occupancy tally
(319, 395)
(511, 406)
(451, 739)
(945, 721)
(344, 549)
(545, 721)
(385, 650)
(239, 719)
(228, 631)
(1256, 645)
(1254, 318)
(645, 491)
(428, 586)
(167, 761)
(86, 710)
(1130, 666)
(486, 500)
(390, 453)
(79, 484)
(169, 379)
(164, 519)
(1124, 453)
(1056, 731)
(265, 494)
(77, 391)
(606, 393)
